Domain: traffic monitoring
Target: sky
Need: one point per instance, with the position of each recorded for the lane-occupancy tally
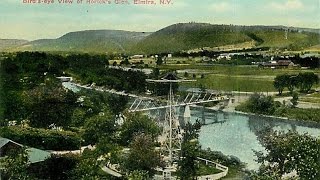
(21, 20)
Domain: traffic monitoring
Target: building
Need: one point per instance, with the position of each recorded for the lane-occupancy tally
(35, 155)
(279, 64)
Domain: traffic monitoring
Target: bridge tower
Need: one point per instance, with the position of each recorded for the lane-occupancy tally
(172, 132)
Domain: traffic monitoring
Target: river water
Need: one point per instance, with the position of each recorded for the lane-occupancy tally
(235, 134)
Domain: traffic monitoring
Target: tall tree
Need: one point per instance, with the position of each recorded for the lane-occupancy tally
(280, 83)
(287, 152)
(292, 82)
(135, 124)
(142, 156)
(190, 150)
(306, 81)
(50, 104)
(100, 126)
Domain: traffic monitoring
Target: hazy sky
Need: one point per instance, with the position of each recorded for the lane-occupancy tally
(34, 21)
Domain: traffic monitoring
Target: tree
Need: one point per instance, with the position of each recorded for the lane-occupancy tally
(57, 167)
(292, 82)
(142, 156)
(190, 150)
(306, 81)
(294, 99)
(98, 127)
(50, 104)
(88, 167)
(280, 83)
(159, 61)
(261, 104)
(137, 123)
(138, 175)
(186, 74)
(287, 152)
(117, 104)
(14, 165)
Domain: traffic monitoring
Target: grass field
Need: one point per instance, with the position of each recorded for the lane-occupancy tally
(313, 98)
(226, 78)
(234, 83)
(238, 70)
(207, 170)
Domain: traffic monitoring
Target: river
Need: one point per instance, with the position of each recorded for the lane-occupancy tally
(235, 134)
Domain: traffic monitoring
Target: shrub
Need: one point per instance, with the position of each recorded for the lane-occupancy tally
(42, 138)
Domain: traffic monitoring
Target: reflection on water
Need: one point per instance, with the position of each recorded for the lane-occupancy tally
(236, 134)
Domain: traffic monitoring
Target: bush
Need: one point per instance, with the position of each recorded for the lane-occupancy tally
(260, 104)
(221, 158)
(55, 167)
(42, 139)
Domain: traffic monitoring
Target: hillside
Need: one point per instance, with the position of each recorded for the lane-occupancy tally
(179, 37)
(10, 43)
(187, 36)
(87, 41)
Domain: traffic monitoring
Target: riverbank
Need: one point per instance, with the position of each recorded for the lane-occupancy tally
(277, 109)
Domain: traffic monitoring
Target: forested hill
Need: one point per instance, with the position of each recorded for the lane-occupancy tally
(188, 36)
(179, 37)
(98, 41)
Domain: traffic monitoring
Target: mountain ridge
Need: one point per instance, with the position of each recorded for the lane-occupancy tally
(173, 38)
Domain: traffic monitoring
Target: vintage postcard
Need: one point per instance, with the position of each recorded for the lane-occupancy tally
(159, 89)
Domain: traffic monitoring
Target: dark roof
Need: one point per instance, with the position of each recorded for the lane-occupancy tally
(284, 62)
(170, 76)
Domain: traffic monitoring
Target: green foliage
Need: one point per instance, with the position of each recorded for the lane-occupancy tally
(42, 139)
(287, 152)
(190, 149)
(221, 158)
(142, 155)
(137, 123)
(206, 169)
(186, 74)
(162, 89)
(294, 99)
(258, 103)
(90, 41)
(261, 104)
(24, 72)
(159, 61)
(14, 166)
(138, 175)
(117, 104)
(303, 81)
(49, 104)
(99, 126)
(88, 167)
(312, 114)
(280, 83)
(306, 81)
(91, 69)
(54, 168)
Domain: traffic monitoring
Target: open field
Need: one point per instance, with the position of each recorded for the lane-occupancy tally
(235, 83)
(233, 78)
(312, 98)
(238, 70)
